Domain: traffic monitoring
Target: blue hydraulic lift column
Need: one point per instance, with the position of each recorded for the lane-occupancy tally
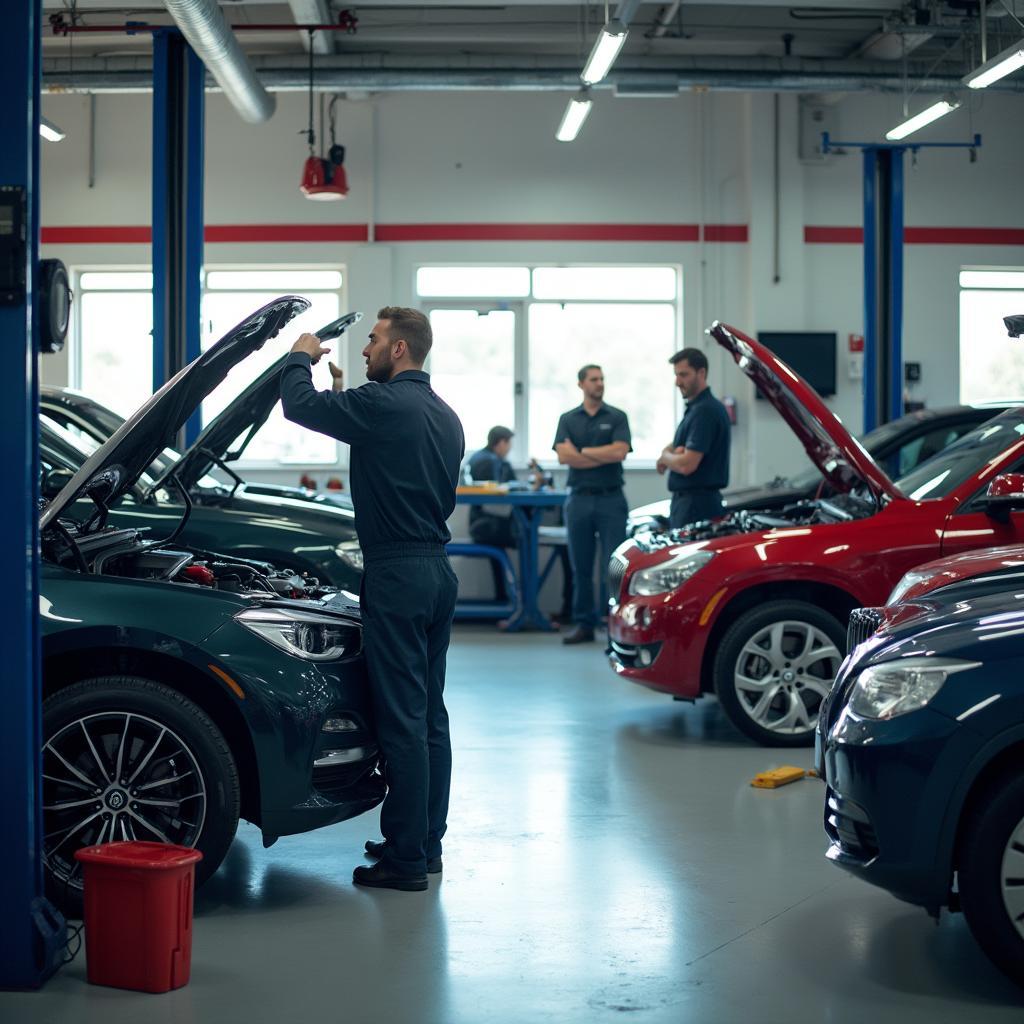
(178, 135)
(883, 271)
(33, 932)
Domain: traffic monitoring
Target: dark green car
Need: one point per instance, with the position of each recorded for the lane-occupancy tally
(184, 689)
(293, 529)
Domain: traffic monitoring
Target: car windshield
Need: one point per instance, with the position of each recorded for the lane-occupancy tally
(941, 475)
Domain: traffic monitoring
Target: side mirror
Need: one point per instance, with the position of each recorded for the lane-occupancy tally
(1005, 494)
(54, 481)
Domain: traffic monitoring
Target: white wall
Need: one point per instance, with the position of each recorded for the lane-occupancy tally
(491, 157)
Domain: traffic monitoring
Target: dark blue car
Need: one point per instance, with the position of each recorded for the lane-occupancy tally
(921, 745)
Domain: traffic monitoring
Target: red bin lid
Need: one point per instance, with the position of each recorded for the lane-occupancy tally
(153, 856)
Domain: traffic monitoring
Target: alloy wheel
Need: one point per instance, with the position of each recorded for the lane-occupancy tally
(783, 674)
(1011, 877)
(117, 776)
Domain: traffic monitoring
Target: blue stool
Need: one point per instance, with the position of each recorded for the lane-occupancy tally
(486, 609)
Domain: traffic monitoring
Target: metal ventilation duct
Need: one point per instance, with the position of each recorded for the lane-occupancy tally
(203, 25)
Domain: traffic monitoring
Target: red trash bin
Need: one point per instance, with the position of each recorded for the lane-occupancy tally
(138, 914)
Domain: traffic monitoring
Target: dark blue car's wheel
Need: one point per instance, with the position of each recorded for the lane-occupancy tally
(991, 875)
(131, 759)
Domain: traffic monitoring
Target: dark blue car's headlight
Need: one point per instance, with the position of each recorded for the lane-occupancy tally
(307, 635)
(897, 687)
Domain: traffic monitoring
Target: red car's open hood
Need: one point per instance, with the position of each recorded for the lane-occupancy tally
(842, 460)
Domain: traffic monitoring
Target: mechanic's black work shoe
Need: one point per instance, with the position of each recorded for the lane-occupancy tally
(375, 849)
(381, 876)
(580, 635)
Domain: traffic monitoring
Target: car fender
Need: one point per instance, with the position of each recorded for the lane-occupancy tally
(961, 794)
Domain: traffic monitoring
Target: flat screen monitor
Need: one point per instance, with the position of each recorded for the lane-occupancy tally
(811, 353)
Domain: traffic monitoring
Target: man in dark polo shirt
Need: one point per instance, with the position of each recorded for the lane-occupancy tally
(592, 440)
(407, 445)
(697, 462)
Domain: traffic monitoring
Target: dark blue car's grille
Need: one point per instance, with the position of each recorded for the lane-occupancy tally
(849, 826)
(864, 622)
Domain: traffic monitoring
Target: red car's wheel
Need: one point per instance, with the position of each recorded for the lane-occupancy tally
(774, 668)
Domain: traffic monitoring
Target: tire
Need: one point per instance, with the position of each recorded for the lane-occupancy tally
(992, 859)
(185, 788)
(769, 681)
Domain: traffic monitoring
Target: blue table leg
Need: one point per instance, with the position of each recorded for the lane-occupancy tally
(528, 615)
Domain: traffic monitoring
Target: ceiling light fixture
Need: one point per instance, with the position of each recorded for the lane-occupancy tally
(323, 178)
(49, 131)
(918, 121)
(1001, 65)
(575, 114)
(605, 50)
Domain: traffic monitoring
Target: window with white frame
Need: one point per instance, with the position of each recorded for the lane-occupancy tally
(991, 363)
(113, 355)
(509, 341)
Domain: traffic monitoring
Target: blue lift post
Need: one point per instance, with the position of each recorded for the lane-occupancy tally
(32, 936)
(883, 271)
(179, 79)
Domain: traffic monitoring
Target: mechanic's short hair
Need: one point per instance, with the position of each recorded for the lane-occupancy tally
(410, 326)
(693, 356)
(584, 370)
(498, 434)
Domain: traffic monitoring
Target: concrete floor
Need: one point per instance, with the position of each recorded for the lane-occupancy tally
(606, 856)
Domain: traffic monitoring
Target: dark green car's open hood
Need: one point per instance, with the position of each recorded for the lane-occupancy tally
(116, 466)
(245, 415)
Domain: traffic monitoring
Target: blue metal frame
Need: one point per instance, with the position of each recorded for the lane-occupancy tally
(179, 110)
(883, 166)
(895, 284)
(33, 933)
(870, 289)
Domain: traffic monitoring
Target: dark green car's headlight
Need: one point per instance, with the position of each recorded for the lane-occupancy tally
(306, 635)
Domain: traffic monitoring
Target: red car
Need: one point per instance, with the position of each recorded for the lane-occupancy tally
(959, 577)
(753, 606)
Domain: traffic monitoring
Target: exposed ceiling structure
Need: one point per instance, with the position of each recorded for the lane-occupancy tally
(825, 46)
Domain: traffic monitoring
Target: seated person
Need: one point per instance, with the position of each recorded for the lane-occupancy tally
(489, 524)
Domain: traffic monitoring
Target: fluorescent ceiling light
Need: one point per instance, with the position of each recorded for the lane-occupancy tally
(573, 118)
(49, 130)
(605, 50)
(918, 121)
(1001, 65)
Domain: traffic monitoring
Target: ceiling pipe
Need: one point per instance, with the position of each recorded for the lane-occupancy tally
(664, 19)
(203, 25)
(335, 79)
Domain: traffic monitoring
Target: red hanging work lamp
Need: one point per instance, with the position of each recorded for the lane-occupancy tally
(323, 178)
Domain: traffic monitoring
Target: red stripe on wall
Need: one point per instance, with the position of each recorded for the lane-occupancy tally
(963, 236)
(921, 236)
(814, 235)
(215, 233)
(286, 233)
(212, 233)
(95, 235)
(538, 233)
(726, 233)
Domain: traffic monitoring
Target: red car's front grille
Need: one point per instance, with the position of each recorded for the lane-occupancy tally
(616, 574)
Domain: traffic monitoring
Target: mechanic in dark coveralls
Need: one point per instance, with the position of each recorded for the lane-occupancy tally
(697, 462)
(407, 445)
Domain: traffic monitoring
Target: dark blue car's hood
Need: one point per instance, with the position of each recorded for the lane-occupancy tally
(116, 466)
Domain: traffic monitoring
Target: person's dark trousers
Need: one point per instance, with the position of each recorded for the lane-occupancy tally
(495, 532)
(596, 524)
(694, 506)
(408, 600)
